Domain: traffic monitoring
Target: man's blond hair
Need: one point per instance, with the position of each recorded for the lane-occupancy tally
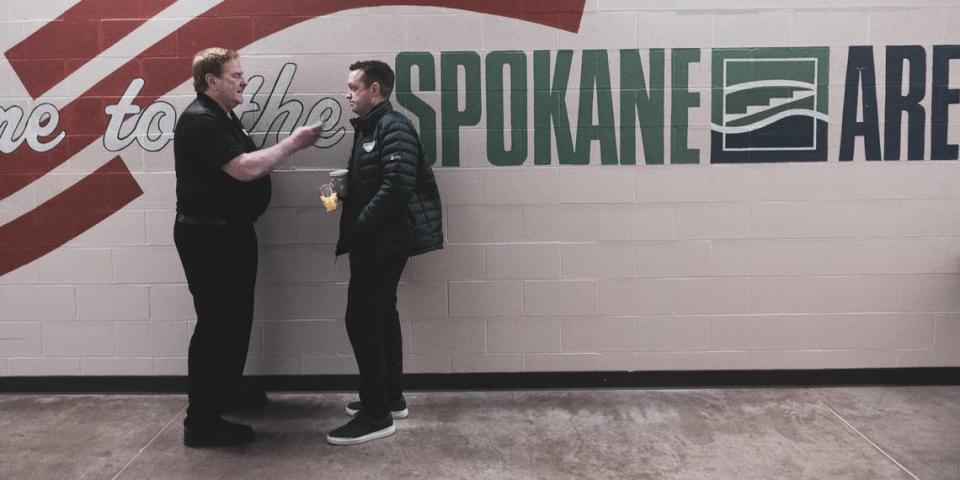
(210, 60)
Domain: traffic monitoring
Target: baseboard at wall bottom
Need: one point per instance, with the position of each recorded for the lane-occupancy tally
(513, 380)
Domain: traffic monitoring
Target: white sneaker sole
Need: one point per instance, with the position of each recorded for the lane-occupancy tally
(386, 432)
(397, 415)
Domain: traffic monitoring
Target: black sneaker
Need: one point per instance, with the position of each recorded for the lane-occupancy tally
(246, 398)
(362, 428)
(398, 409)
(215, 433)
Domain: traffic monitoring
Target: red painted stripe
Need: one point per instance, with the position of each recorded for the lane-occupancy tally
(62, 46)
(67, 215)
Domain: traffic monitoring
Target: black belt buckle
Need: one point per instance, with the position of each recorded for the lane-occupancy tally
(202, 221)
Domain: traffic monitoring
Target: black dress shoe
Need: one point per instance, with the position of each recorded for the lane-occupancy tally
(215, 432)
(246, 399)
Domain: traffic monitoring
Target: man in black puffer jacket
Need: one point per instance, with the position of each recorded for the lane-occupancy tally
(391, 212)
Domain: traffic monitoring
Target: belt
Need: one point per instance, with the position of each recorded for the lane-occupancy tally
(202, 221)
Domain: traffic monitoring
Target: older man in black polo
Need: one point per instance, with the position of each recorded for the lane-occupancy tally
(223, 186)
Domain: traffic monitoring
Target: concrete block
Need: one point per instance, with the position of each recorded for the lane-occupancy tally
(674, 258)
(152, 339)
(591, 223)
(159, 227)
(749, 257)
(43, 367)
(147, 265)
(159, 191)
(786, 359)
(486, 224)
(713, 221)
(915, 26)
(76, 265)
(786, 295)
(522, 261)
(599, 334)
(673, 29)
(126, 227)
(486, 362)
(329, 365)
(448, 336)
(861, 219)
(947, 330)
(170, 366)
(350, 34)
(38, 303)
(603, 30)
(897, 330)
(280, 226)
(300, 338)
(838, 331)
(861, 293)
(113, 302)
(659, 361)
(454, 262)
(297, 263)
(288, 365)
(311, 226)
(20, 340)
(598, 260)
(560, 297)
(749, 183)
(73, 339)
(929, 293)
(831, 27)
(859, 358)
(670, 184)
(501, 33)
(296, 188)
(598, 184)
(680, 333)
(909, 255)
(479, 299)
(457, 32)
(522, 186)
(523, 335)
(422, 299)
(459, 186)
(562, 362)
(753, 29)
(935, 357)
(295, 301)
(635, 296)
(710, 295)
(171, 302)
(825, 256)
(788, 220)
(764, 332)
(427, 363)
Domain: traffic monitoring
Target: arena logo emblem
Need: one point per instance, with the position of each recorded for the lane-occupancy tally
(82, 33)
(770, 105)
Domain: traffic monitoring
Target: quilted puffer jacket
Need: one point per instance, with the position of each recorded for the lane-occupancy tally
(392, 203)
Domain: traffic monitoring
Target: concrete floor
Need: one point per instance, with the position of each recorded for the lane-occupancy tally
(829, 433)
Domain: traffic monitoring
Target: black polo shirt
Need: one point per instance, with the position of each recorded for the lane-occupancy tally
(204, 141)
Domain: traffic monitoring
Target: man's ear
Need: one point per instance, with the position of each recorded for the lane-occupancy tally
(209, 78)
(375, 89)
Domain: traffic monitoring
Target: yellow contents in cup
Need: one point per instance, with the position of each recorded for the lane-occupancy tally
(330, 202)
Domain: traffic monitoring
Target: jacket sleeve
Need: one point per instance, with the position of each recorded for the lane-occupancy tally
(398, 163)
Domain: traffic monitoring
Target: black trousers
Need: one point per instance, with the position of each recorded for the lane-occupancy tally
(373, 326)
(220, 263)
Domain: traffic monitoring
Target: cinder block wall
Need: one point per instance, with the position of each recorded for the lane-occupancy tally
(557, 259)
